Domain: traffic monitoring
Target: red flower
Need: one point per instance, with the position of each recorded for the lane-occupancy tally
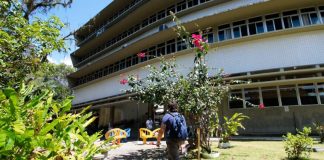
(123, 81)
(141, 55)
(261, 106)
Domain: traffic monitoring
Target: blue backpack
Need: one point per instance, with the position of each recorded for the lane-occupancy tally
(178, 129)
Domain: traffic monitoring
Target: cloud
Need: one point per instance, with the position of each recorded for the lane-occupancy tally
(51, 60)
(67, 60)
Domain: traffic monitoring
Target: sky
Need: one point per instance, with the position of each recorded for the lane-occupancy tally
(80, 12)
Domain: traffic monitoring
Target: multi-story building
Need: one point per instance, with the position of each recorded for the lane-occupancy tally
(277, 45)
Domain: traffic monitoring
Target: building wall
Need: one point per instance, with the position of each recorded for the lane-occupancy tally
(275, 120)
(274, 52)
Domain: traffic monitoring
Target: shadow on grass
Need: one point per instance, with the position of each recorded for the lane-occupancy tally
(156, 153)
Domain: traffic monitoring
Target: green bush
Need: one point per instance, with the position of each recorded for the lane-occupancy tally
(298, 145)
(36, 127)
(320, 130)
(230, 126)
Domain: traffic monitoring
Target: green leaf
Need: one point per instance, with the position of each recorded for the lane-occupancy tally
(19, 127)
(48, 127)
(2, 96)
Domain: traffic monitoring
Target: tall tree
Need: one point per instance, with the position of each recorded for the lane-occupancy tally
(52, 77)
(26, 42)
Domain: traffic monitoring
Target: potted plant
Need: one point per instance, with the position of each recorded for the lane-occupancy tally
(230, 127)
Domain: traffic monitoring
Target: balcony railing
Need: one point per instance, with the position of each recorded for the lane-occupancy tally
(110, 21)
(254, 26)
(181, 6)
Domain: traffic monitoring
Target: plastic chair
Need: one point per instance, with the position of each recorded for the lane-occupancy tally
(145, 134)
(128, 133)
(117, 135)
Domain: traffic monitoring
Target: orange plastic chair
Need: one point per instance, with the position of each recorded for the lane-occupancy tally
(117, 135)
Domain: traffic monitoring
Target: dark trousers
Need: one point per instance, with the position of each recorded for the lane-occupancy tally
(173, 148)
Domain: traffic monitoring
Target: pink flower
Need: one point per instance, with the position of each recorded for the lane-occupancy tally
(123, 81)
(261, 106)
(197, 41)
(196, 36)
(141, 55)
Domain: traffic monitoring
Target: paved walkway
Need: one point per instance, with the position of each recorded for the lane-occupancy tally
(136, 150)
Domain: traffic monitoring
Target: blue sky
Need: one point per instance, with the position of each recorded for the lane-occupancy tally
(79, 13)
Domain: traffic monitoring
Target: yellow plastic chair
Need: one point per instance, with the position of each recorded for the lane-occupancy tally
(145, 134)
(117, 135)
(156, 133)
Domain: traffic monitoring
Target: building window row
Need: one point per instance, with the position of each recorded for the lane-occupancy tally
(278, 96)
(272, 22)
(102, 27)
(149, 20)
(167, 47)
(236, 29)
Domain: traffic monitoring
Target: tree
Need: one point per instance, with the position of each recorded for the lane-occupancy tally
(31, 6)
(199, 95)
(25, 43)
(52, 77)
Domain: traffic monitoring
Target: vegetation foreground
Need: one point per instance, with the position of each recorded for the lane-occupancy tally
(260, 150)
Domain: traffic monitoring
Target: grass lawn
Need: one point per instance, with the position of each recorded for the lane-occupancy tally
(260, 150)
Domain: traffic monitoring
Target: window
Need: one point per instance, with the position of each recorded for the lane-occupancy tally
(235, 100)
(136, 27)
(129, 61)
(270, 96)
(307, 93)
(321, 8)
(134, 59)
(192, 3)
(116, 67)
(110, 69)
(291, 19)
(252, 96)
(181, 45)
(152, 19)
(161, 14)
(145, 22)
(208, 35)
(256, 25)
(224, 32)
(320, 87)
(161, 49)
(239, 29)
(288, 95)
(170, 46)
(151, 53)
(309, 16)
(181, 6)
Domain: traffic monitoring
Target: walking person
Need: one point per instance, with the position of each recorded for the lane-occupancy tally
(175, 128)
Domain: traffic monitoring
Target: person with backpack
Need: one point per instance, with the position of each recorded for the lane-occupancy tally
(175, 128)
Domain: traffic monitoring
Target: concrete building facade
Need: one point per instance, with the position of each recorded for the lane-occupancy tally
(276, 45)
